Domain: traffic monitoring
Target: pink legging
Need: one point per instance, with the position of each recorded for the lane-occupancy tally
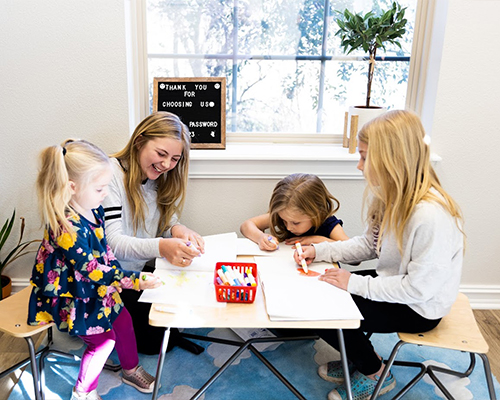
(100, 346)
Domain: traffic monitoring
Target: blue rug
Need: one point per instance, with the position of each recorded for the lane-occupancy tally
(184, 373)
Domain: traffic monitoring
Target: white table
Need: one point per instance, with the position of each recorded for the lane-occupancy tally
(238, 315)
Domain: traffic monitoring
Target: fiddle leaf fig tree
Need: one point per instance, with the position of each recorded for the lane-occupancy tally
(370, 32)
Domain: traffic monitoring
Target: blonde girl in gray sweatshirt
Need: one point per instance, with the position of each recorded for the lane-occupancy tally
(414, 229)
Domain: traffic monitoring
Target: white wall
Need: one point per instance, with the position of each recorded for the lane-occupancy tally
(63, 74)
(466, 132)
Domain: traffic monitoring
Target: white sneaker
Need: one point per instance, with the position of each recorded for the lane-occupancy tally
(85, 396)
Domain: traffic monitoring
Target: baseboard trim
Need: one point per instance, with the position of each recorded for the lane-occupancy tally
(481, 297)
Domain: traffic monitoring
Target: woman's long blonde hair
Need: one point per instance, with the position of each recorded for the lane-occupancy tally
(172, 184)
(399, 173)
(74, 160)
(304, 193)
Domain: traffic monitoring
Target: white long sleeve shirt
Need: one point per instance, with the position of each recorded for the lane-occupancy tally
(132, 249)
(426, 276)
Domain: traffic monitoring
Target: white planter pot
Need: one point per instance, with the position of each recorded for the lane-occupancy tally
(364, 115)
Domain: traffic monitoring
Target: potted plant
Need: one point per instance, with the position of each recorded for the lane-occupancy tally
(370, 32)
(20, 249)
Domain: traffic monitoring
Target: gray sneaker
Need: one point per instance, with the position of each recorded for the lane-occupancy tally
(87, 396)
(140, 379)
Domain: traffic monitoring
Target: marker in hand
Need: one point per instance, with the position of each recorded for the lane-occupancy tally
(146, 277)
(303, 262)
(270, 238)
(189, 244)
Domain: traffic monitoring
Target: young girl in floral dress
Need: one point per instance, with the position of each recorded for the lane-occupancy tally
(76, 279)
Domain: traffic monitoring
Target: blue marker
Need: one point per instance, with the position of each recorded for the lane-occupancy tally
(230, 276)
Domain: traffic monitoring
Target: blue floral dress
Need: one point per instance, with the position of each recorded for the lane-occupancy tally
(75, 279)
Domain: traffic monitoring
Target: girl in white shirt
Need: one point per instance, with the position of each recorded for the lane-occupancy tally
(146, 197)
(414, 229)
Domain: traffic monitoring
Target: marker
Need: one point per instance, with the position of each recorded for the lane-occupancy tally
(223, 277)
(240, 277)
(145, 278)
(270, 238)
(251, 278)
(246, 279)
(230, 276)
(303, 262)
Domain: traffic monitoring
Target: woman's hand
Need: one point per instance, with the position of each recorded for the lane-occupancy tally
(267, 242)
(308, 254)
(148, 281)
(183, 232)
(336, 277)
(307, 240)
(178, 252)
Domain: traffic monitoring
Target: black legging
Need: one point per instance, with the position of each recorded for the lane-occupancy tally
(379, 317)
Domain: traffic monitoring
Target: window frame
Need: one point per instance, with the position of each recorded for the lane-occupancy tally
(251, 150)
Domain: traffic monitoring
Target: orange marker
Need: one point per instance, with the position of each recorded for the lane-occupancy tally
(303, 262)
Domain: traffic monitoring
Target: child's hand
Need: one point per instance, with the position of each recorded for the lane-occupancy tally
(308, 254)
(336, 277)
(268, 242)
(149, 281)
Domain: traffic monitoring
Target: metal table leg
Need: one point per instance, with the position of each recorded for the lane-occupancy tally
(345, 368)
(161, 359)
(242, 346)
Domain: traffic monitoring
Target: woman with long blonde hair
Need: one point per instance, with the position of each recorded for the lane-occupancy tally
(414, 229)
(146, 198)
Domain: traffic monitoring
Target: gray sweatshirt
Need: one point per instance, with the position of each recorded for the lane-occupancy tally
(426, 276)
(132, 249)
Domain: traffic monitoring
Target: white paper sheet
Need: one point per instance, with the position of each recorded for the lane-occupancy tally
(246, 247)
(183, 289)
(218, 248)
(292, 295)
(193, 285)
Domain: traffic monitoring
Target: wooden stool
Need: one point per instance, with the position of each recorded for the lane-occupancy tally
(14, 312)
(456, 331)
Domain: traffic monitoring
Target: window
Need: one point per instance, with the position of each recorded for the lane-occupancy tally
(285, 70)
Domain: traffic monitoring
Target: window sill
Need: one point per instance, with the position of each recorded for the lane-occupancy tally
(274, 161)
